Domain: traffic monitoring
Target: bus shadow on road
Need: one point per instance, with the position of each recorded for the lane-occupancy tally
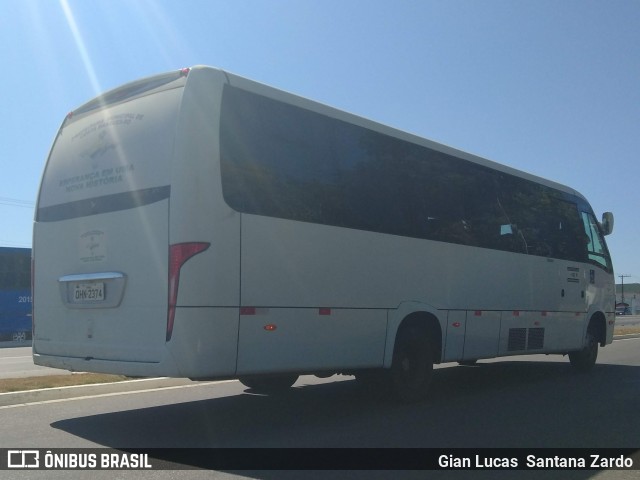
(510, 404)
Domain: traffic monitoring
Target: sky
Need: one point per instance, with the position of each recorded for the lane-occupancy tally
(545, 86)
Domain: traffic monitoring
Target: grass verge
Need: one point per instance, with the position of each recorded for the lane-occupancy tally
(627, 331)
(53, 381)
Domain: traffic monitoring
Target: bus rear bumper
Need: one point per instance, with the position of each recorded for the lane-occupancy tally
(93, 365)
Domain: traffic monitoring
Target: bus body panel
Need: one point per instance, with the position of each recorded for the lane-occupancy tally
(204, 342)
(103, 210)
(310, 339)
(303, 264)
(166, 367)
(482, 335)
(138, 253)
(204, 339)
(198, 212)
(267, 294)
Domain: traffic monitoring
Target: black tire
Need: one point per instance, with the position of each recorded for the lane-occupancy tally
(584, 360)
(268, 383)
(412, 365)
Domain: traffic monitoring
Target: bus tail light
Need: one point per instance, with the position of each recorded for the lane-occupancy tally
(178, 255)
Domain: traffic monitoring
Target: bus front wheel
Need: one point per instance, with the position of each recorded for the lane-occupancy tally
(584, 360)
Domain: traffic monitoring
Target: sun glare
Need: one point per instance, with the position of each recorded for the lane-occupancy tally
(77, 37)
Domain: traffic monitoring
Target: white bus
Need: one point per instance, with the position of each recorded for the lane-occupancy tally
(198, 224)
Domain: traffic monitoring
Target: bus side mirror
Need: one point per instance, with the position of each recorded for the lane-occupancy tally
(607, 223)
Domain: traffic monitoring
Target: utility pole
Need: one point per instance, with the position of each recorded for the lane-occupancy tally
(622, 277)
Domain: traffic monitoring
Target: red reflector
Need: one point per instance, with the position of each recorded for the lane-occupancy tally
(247, 310)
(184, 72)
(270, 327)
(478, 313)
(516, 313)
(324, 311)
(178, 255)
(456, 324)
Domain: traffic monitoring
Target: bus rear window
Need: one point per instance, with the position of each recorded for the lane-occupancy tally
(116, 157)
(131, 90)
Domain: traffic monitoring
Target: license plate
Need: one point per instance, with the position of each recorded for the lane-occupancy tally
(88, 292)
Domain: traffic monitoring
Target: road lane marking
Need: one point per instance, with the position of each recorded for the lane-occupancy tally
(113, 394)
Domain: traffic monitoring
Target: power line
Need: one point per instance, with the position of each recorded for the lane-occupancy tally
(15, 202)
(622, 277)
(14, 244)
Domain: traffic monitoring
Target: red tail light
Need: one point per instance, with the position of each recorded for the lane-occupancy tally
(178, 255)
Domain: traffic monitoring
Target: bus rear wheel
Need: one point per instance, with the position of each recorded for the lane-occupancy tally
(412, 365)
(584, 360)
(268, 383)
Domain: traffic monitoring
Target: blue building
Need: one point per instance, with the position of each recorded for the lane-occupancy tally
(15, 294)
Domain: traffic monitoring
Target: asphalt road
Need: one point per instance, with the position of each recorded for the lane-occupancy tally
(17, 362)
(517, 402)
